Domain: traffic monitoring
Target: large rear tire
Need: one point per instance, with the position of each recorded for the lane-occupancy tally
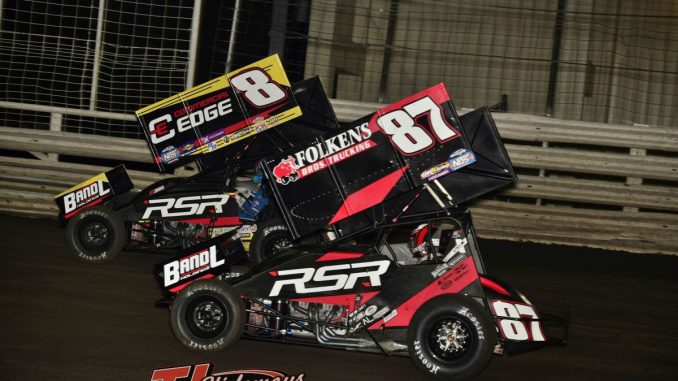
(451, 337)
(208, 315)
(96, 234)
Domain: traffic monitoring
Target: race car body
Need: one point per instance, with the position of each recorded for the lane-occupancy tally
(383, 292)
(401, 272)
(104, 215)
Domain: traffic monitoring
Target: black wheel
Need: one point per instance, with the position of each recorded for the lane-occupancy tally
(285, 180)
(96, 234)
(270, 238)
(208, 315)
(451, 337)
(294, 176)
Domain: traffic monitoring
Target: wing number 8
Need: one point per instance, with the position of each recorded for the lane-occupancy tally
(257, 87)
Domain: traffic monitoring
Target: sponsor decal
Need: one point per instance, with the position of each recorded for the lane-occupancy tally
(286, 171)
(324, 154)
(92, 190)
(185, 206)
(189, 117)
(390, 316)
(453, 276)
(246, 230)
(204, 372)
(239, 104)
(169, 154)
(451, 259)
(190, 266)
(458, 159)
(335, 277)
(364, 316)
(188, 147)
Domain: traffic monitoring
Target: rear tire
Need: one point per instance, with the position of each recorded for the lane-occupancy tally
(451, 337)
(96, 234)
(208, 315)
(271, 237)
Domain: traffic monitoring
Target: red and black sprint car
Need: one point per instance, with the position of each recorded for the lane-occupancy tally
(401, 272)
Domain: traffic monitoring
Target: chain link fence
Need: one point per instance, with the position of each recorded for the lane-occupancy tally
(613, 61)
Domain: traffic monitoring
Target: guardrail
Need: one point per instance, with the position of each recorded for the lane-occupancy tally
(581, 183)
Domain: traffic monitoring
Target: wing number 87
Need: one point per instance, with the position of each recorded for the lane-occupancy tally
(409, 137)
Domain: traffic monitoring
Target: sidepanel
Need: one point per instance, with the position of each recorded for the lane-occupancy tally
(218, 113)
(370, 161)
(92, 192)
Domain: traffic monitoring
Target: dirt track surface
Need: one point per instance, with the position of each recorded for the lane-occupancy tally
(63, 319)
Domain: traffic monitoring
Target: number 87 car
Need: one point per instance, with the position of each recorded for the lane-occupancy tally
(416, 287)
(401, 273)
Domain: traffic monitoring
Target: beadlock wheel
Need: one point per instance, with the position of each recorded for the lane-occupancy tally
(451, 337)
(96, 234)
(208, 315)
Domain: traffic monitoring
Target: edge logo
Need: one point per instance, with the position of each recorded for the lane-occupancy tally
(189, 117)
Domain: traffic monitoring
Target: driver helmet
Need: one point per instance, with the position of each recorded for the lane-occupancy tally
(419, 243)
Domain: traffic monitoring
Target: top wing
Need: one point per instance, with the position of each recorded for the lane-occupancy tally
(340, 179)
(218, 113)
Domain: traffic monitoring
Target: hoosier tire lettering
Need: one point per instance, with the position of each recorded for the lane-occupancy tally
(208, 315)
(96, 234)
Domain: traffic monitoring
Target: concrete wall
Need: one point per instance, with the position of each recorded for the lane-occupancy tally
(616, 65)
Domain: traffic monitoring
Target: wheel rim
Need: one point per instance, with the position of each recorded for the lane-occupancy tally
(206, 317)
(450, 339)
(276, 245)
(95, 235)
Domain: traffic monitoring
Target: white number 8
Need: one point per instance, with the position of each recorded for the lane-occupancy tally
(257, 87)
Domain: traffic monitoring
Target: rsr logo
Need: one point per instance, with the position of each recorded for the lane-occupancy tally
(346, 278)
(186, 206)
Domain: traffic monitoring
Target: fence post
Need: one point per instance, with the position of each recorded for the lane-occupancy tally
(231, 39)
(97, 57)
(276, 39)
(193, 44)
(555, 57)
(392, 17)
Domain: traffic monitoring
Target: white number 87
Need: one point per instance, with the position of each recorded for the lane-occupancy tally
(513, 328)
(406, 135)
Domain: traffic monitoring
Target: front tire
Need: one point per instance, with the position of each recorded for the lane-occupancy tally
(451, 337)
(96, 234)
(271, 237)
(208, 315)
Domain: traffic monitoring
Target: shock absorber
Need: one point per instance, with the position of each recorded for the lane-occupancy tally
(281, 306)
(154, 233)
